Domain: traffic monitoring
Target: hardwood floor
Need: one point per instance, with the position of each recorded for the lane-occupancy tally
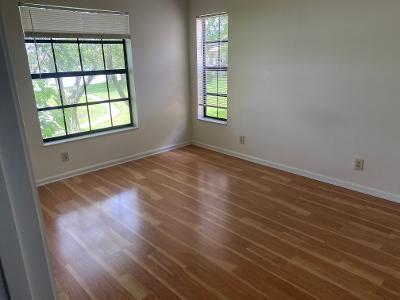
(195, 224)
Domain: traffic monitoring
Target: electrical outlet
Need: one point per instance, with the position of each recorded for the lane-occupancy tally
(64, 156)
(359, 165)
(241, 139)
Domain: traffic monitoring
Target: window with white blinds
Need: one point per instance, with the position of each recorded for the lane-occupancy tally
(78, 61)
(212, 66)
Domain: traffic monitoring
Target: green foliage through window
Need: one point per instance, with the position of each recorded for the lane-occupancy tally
(80, 86)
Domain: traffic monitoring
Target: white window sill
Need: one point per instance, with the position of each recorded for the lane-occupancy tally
(211, 120)
(93, 135)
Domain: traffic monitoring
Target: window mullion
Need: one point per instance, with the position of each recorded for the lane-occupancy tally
(77, 73)
(84, 85)
(66, 41)
(58, 83)
(81, 104)
(108, 88)
(216, 42)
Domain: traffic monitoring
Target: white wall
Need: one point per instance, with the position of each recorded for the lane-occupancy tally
(313, 85)
(159, 38)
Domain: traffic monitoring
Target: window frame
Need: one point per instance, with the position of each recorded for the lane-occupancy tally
(58, 75)
(202, 81)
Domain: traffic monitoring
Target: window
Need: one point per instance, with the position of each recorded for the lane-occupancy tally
(80, 86)
(80, 83)
(212, 66)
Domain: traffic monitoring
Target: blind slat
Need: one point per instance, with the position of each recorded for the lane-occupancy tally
(55, 22)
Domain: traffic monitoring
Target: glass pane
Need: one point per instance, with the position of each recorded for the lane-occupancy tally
(224, 27)
(224, 55)
(44, 53)
(100, 116)
(120, 113)
(46, 60)
(96, 88)
(46, 92)
(211, 112)
(76, 119)
(32, 58)
(52, 123)
(212, 81)
(223, 101)
(212, 28)
(223, 82)
(72, 90)
(212, 55)
(67, 57)
(92, 57)
(222, 113)
(114, 56)
(212, 100)
(118, 86)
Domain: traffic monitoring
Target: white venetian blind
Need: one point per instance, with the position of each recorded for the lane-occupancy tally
(212, 66)
(55, 21)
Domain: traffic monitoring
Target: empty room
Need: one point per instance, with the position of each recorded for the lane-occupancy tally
(187, 149)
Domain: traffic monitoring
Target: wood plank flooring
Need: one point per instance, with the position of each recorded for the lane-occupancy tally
(195, 224)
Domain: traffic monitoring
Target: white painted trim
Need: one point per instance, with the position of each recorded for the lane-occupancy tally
(109, 163)
(338, 182)
(342, 183)
(88, 136)
(211, 120)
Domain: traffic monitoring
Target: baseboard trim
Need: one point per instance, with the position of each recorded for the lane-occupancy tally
(338, 182)
(109, 163)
